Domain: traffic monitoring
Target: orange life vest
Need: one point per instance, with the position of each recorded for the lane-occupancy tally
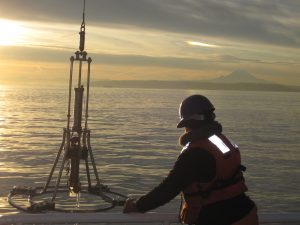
(227, 183)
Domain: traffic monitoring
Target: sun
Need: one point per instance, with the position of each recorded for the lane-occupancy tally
(12, 33)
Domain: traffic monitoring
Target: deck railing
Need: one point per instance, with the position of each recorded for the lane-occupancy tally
(120, 218)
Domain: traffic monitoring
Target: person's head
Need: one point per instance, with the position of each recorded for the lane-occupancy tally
(195, 111)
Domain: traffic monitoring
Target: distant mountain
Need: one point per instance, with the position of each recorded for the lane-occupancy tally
(237, 80)
(239, 76)
(195, 85)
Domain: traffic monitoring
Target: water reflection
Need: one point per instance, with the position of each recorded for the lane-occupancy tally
(2, 108)
(134, 138)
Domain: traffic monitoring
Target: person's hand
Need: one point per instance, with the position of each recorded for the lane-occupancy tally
(130, 206)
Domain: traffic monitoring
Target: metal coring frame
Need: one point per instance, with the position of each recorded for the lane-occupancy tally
(76, 146)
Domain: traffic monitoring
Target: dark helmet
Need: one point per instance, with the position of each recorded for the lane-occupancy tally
(195, 108)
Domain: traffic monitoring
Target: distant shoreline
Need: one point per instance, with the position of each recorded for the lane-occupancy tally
(156, 84)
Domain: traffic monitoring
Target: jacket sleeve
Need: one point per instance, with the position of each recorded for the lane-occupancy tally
(191, 165)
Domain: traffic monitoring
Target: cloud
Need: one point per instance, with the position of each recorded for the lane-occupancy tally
(268, 22)
(233, 59)
(35, 54)
(262, 36)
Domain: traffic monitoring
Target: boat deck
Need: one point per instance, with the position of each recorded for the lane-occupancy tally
(120, 218)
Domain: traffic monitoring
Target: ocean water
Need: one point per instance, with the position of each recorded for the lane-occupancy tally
(135, 139)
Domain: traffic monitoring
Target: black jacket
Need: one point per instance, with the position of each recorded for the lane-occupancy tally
(183, 173)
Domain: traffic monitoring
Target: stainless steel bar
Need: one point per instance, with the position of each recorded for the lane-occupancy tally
(70, 91)
(92, 159)
(79, 73)
(55, 162)
(87, 92)
(59, 175)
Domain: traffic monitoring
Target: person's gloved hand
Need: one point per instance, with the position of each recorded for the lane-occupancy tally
(130, 206)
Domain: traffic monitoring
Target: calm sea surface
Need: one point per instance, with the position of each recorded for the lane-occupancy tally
(135, 139)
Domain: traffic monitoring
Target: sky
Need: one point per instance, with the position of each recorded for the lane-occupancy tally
(151, 39)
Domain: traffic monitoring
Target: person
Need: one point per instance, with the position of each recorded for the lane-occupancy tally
(208, 173)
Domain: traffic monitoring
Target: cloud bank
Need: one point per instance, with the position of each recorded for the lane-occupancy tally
(267, 22)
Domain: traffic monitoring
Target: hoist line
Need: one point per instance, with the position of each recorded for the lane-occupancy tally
(83, 17)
